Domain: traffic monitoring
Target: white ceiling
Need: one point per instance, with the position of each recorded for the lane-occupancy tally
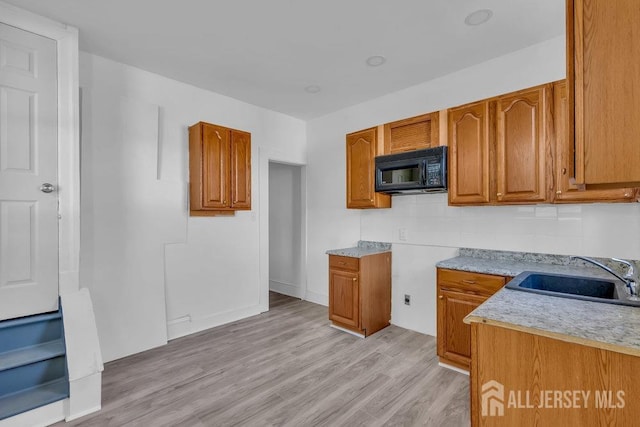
(266, 52)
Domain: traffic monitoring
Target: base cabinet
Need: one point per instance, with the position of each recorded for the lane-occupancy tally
(360, 292)
(516, 377)
(459, 293)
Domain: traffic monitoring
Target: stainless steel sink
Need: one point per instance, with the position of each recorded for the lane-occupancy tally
(574, 287)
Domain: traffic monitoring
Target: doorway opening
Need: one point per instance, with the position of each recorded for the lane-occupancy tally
(287, 253)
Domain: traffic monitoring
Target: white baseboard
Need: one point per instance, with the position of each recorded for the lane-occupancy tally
(39, 417)
(286, 288)
(317, 298)
(453, 368)
(188, 325)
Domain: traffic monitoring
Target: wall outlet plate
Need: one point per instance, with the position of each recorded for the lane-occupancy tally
(407, 299)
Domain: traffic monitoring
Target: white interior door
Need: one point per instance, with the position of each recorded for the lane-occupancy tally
(28, 162)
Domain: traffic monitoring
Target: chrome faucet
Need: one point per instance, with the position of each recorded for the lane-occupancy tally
(629, 279)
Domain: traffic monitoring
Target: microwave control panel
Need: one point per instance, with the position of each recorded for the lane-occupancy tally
(434, 172)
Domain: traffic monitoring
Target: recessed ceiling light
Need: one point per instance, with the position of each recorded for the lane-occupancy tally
(312, 89)
(376, 61)
(478, 17)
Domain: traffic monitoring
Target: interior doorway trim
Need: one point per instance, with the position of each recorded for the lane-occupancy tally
(265, 156)
(68, 136)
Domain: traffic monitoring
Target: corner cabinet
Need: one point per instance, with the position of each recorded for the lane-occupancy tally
(219, 170)
(360, 292)
(459, 293)
(566, 191)
(362, 148)
(603, 48)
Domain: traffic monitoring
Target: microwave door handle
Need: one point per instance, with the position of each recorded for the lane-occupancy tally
(423, 173)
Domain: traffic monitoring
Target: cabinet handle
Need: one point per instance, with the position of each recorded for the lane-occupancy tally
(470, 282)
(564, 171)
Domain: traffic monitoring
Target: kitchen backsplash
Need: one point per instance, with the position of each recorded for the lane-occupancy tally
(596, 230)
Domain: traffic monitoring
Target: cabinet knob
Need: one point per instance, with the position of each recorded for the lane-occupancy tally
(499, 194)
(371, 200)
(440, 297)
(354, 279)
(558, 192)
(626, 194)
(564, 171)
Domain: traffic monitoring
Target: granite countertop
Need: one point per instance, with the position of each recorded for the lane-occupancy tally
(607, 326)
(363, 248)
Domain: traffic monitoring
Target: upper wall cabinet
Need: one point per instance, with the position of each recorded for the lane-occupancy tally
(412, 134)
(219, 170)
(566, 191)
(500, 149)
(362, 147)
(469, 153)
(604, 66)
(524, 130)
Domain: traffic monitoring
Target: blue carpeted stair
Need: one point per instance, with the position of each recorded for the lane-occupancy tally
(33, 365)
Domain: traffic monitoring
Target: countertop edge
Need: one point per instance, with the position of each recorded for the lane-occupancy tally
(554, 335)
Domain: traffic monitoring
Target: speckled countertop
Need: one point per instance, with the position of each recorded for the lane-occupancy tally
(362, 249)
(607, 326)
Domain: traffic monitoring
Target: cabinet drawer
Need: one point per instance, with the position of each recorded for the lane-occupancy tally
(344, 262)
(470, 282)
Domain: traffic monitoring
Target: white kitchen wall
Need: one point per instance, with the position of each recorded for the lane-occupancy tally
(286, 252)
(434, 230)
(154, 272)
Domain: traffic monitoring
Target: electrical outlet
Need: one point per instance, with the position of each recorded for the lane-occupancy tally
(407, 299)
(402, 234)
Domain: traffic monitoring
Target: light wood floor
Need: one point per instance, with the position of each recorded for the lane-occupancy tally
(286, 367)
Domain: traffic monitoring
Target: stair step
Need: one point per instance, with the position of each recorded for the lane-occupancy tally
(25, 377)
(30, 331)
(32, 398)
(33, 354)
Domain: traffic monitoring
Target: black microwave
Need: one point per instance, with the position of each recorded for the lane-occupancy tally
(412, 172)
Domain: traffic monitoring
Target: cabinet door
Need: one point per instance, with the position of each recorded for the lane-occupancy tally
(565, 190)
(412, 134)
(469, 139)
(361, 151)
(523, 139)
(454, 336)
(215, 166)
(344, 298)
(603, 41)
(240, 170)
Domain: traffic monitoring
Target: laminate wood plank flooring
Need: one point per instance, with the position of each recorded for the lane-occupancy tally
(286, 367)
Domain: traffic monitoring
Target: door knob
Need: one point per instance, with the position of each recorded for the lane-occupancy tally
(47, 188)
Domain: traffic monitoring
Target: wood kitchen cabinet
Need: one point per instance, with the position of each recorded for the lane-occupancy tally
(219, 170)
(500, 149)
(531, 366)
(524, 129)
(603, 50)
(565, 190)
(414, 133)
(470, 135)
(362, 148)
(360, 292)
(459, 293)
